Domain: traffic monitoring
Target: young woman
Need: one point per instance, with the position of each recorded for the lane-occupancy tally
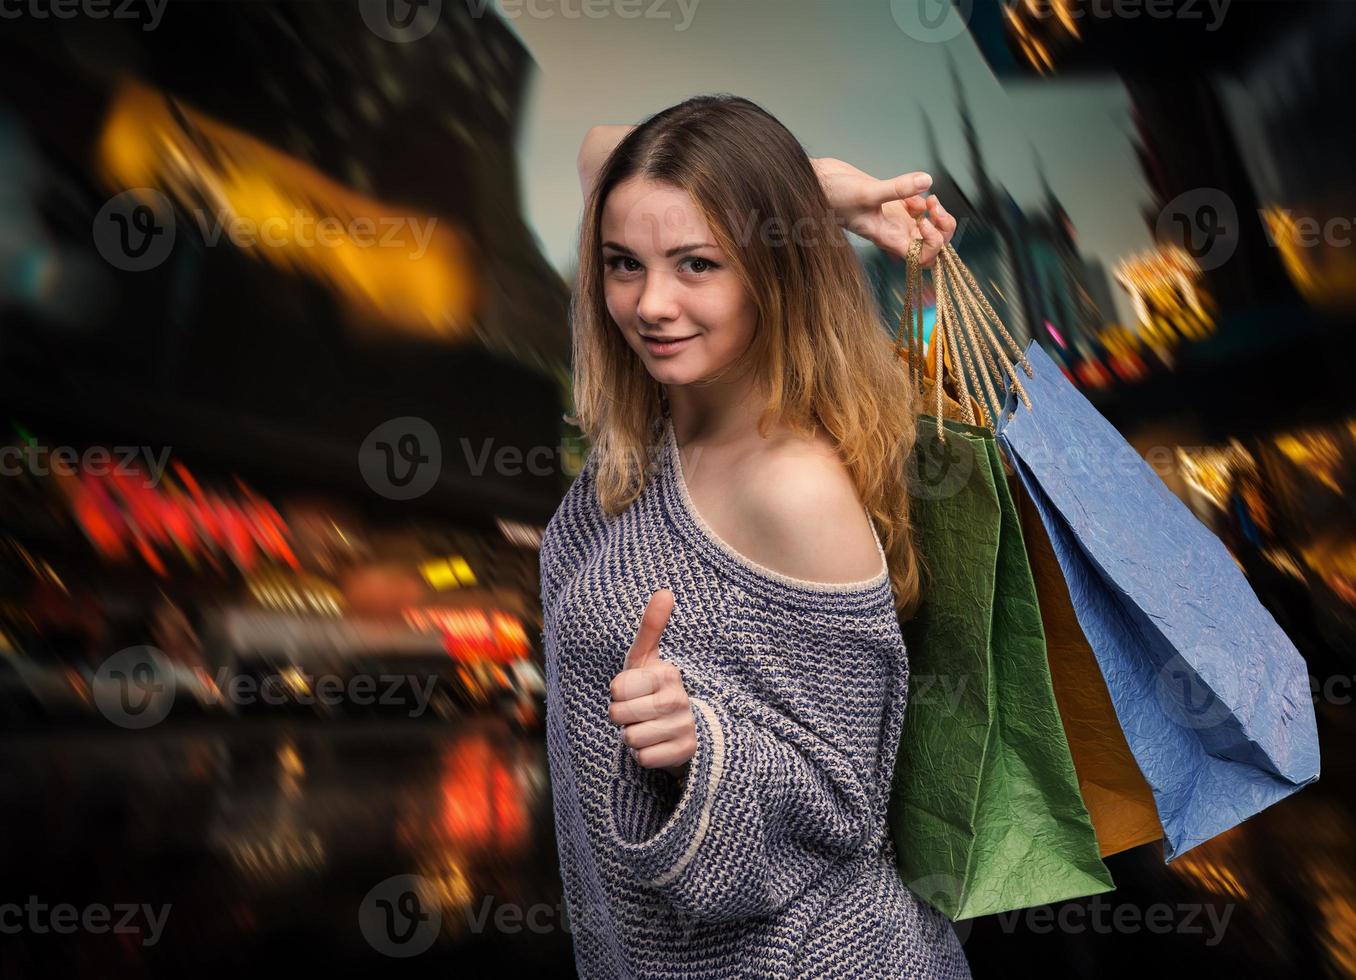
(721, 584)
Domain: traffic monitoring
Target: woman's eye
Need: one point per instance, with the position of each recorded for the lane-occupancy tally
(625, 263)
(705, 264)
(613, 262)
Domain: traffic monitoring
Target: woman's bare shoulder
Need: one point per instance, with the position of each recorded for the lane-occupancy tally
(798, 500)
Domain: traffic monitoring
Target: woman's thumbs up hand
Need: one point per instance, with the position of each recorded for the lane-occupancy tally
(649, 700)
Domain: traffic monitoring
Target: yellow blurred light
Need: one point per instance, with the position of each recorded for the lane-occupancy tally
(286, 852)
(1323, 270)
(1211, 470)
(1169, 302)
(411, 271)
(443, 884)
(439, 574)
(1285, 562)
(1210, 875)
(296, 682)
(289, 591)
(1316, 452)
(448, 573)
(289, 760)
(462, 570)
(1064, 14)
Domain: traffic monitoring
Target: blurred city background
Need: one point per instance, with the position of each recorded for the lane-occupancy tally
(284, 350)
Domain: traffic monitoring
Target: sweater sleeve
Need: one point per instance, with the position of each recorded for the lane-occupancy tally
(784, 785)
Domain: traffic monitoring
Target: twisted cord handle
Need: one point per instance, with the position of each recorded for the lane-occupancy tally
(969, 339)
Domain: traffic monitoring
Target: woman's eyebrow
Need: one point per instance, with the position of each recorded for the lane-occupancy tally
(669, 254)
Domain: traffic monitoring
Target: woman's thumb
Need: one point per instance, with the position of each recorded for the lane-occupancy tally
(645, 648)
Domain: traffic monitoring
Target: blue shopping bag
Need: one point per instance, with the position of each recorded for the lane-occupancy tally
(1213, 697)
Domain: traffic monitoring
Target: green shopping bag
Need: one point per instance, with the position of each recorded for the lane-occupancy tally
(985, 810)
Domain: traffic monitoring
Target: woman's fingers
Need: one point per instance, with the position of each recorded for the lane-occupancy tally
(647, 733)
(894, 228)
(649, 679)
(936, 226)
(665, 701)
(881, 192)
(942, 219)
(932, 242)
(945, 221)
(666, 755)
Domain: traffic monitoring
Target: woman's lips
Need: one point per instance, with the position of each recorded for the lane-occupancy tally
(662, 348)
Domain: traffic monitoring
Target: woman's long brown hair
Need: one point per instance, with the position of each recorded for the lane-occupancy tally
(819, 345)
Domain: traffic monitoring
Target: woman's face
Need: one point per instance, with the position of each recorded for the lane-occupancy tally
(664, 277)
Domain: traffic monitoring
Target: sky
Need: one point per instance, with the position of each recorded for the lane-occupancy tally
(848, 77)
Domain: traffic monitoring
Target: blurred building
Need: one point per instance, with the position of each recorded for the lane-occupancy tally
(271, 365)
(1027, 260)
(284, 358)
(1216, 96)
(1245, 137)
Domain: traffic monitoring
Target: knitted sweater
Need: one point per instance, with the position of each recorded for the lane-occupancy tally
(773, 859)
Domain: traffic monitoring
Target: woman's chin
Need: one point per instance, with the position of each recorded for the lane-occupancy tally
(669, 373)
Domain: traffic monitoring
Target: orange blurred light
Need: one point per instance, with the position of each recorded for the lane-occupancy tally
(412, 271)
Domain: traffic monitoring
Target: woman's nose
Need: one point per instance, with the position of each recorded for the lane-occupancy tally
(658, 301)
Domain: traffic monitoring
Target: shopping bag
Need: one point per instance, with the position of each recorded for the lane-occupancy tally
(1118, 799)
(1212, 696)
(985, 811)
(1115, 792)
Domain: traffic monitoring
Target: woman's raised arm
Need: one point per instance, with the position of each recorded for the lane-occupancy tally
(599, 141)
